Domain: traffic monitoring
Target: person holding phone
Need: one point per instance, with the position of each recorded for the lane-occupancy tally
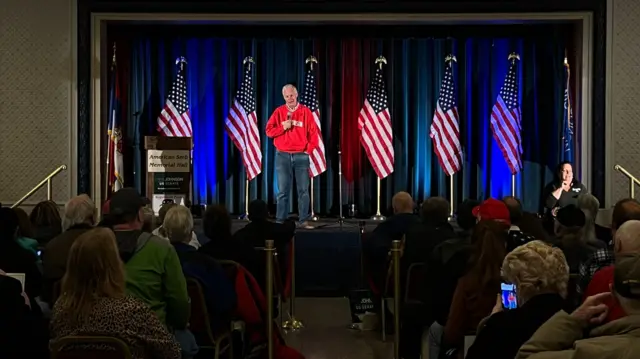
(535, 277)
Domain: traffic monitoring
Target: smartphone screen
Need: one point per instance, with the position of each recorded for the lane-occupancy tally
(509, 299)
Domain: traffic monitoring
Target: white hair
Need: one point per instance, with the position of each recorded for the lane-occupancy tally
(178, 224)
(627, 239)
(289, 86)
(79, 210)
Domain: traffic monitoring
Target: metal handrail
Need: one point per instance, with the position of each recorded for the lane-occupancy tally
(632, 180)
(47, 181)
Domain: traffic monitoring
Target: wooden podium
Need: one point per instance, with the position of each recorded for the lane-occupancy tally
(169, 170)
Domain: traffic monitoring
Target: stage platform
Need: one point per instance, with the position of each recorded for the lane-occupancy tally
(327, 257)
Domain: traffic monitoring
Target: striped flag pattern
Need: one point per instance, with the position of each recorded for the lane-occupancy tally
(445, 132)
(174, 120)
(374, 123)
(242, 125)
(317, 160)
(115, 158)
(505, 121)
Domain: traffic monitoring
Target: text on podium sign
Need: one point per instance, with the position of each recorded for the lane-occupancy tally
(168, 161)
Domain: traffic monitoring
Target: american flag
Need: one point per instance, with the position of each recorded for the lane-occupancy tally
(242, 125)
(174, 120)
(445, 133)
(317, 163)
(505, 121)
(374, 122)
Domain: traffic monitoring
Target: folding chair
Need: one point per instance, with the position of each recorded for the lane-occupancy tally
(200, 325)
(81, 347)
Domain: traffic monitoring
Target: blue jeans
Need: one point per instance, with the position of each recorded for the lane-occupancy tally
(288, 165)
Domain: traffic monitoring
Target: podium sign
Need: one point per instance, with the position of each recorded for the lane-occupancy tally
(168, 170)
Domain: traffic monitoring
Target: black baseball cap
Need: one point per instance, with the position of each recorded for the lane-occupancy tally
(126, 201)
(571, 216)
(626, 276)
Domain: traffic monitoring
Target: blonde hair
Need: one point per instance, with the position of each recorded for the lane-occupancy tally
(94, 270)
(178, 224)
(536, 268)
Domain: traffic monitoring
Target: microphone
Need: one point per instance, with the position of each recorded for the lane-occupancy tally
(288, 116)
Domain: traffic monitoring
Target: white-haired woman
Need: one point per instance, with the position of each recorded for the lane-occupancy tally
(540, 274)
(218, 290)
(161, 232)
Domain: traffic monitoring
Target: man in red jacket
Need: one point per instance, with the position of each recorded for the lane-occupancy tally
(295, 135)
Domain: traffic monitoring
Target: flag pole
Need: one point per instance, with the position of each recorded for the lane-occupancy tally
(248, 61)
(513, 57)
(380, 61)
(310, 60)
(109, 143)
(449, 60)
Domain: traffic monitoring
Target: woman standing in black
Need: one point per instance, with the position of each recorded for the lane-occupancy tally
(563, 190)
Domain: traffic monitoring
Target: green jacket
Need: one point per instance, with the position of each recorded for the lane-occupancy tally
(563, 337)
(154, 275)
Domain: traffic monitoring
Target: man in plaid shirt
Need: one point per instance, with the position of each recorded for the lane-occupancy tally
(625, 210)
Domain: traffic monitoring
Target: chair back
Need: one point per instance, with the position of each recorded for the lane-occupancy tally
(415, 278)
(94, 347)
(199, 323)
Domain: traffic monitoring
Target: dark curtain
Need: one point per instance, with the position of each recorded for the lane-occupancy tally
(414, 72)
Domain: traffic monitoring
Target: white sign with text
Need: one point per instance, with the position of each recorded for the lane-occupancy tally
(168, 161)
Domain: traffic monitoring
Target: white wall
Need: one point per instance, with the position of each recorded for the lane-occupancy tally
(623, 142)
(37, 97)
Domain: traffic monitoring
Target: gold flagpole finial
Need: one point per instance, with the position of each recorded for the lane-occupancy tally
(113, 59)
(311, 60)
(450, 59)
(381, 60)
(181, 61)
(513, 57)
(248, 60)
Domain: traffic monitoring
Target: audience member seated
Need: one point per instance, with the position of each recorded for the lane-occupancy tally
(154, 274)
(23, 333)
(623, 211)
(582, 334)
(148, 219)
(447, 263)
(376, 247)
(476, 291)
(216, 223)
(161, 232)
(626, 242)
(423, 236)
(540, 274)
(14, 258)
(93, 301)
(570, 237)
(45, 218)
(79, 216)
(25, 232)
(260, 228)
(218, 289)
(589, 206)
(533, 225)
(516, 236)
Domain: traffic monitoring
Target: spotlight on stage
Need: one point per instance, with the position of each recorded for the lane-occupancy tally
(314, 217)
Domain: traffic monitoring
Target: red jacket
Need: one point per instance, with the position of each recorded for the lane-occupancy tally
(302, 136)
(600, 283)
(252, 308)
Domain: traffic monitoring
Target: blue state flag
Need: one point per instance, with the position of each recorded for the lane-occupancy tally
(567, 121)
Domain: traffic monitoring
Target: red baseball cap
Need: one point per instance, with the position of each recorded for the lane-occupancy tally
(492, 209)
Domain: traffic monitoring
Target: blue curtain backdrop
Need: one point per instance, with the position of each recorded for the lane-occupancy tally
(414, 72)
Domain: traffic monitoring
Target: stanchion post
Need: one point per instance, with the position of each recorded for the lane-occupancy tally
(293, 323)
(269, 250)
(395, 252)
